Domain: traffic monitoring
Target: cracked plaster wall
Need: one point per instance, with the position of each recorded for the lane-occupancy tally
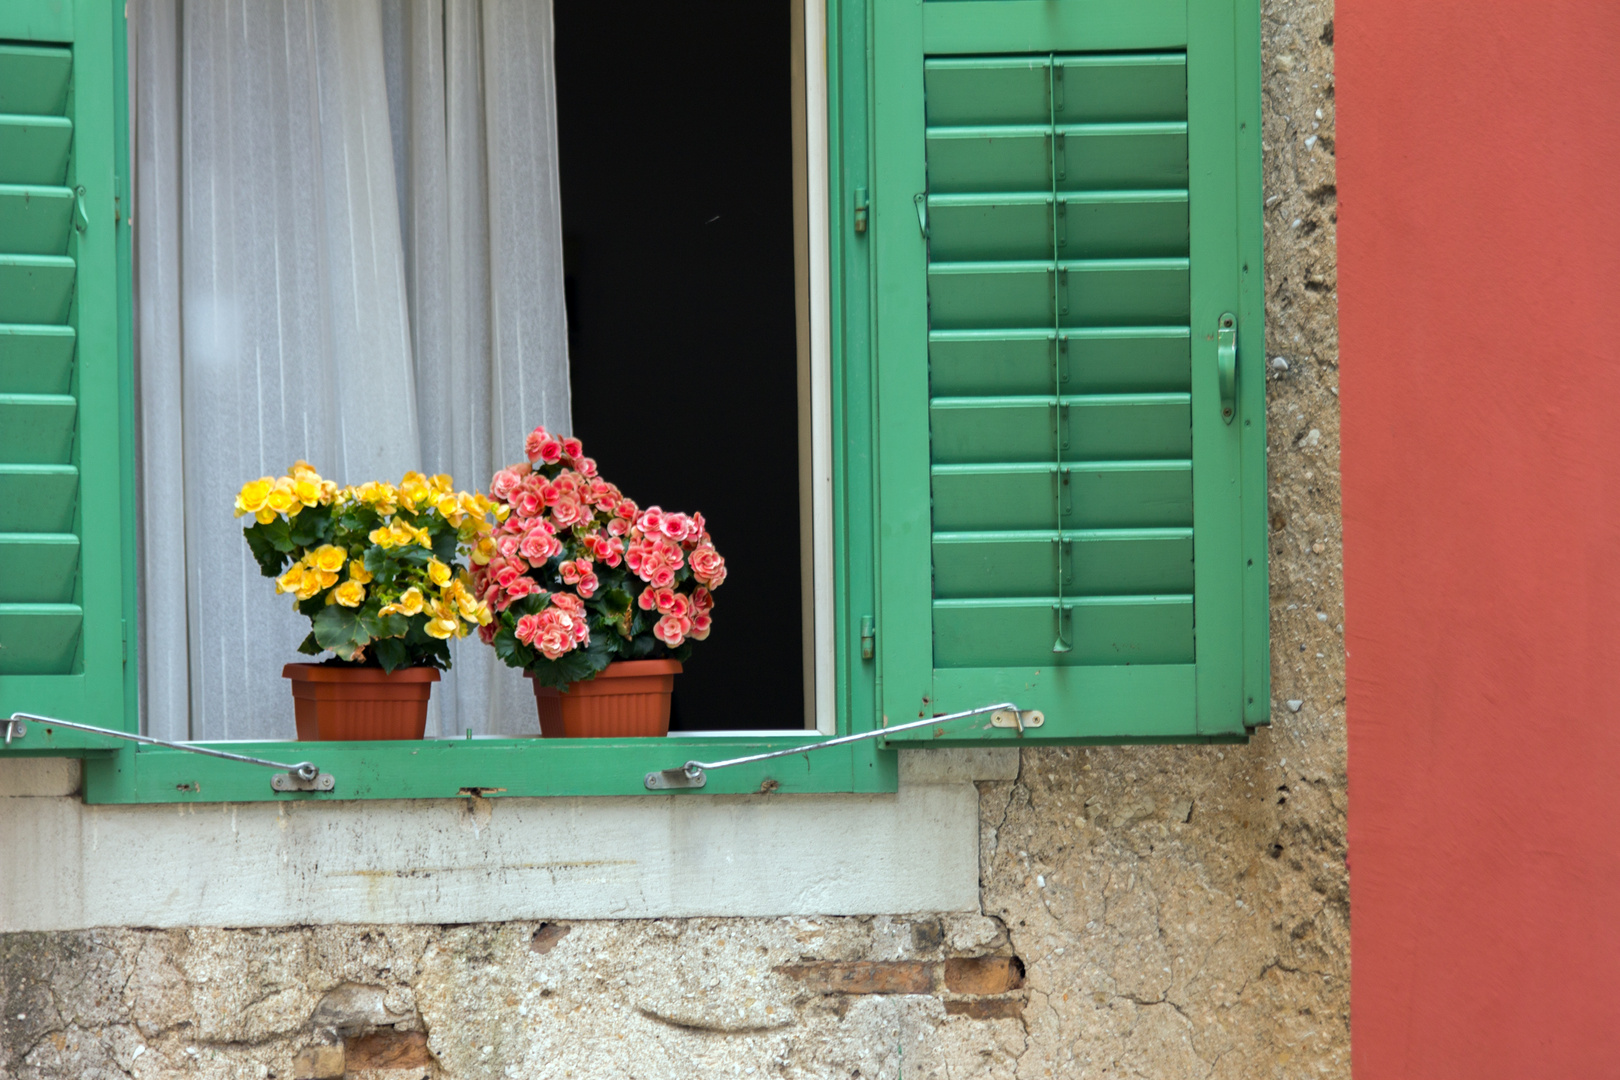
(1176, 912)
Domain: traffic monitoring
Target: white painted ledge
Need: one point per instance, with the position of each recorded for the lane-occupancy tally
(64, 865)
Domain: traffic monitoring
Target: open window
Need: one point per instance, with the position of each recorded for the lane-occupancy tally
(977, 296)
(696, 277)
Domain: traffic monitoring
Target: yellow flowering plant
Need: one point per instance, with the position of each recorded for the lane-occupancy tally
(374, 567)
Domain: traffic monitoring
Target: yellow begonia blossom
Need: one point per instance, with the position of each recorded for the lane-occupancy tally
(443, 628)
(409, 603)
(254, 494)
(449, 508)
(310, 584)
(413, 489)
(359, 573)
(467, 605)
(265, 515)
(292, 579)
(438, 572)
(308, 491)
(484, 550)
(350, 594)
(403, 533)
(281, 498)
(329, 558)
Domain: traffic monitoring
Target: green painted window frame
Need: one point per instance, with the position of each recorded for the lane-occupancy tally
(116, 771)
(119, 772)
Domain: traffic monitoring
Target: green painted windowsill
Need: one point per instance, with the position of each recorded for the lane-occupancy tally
(457, 768)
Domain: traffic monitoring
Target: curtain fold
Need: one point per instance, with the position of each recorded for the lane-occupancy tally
(348, 250)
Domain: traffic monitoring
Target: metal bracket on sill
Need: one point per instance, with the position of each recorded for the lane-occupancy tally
(304, 776)
(291, 781)
(1026, 718)
(694, 774)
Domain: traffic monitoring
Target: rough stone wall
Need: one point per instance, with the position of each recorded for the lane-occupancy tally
(1148, 912)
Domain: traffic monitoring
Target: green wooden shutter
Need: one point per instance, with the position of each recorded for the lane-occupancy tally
(65, 468)
(1071, 510)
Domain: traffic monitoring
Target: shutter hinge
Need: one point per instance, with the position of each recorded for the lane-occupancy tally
(862, 205)
(123, 638)
(868, 638)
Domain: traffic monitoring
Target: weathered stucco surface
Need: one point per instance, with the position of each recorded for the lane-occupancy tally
(1148, 912)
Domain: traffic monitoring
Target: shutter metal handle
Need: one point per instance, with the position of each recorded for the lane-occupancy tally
(1226, 364)
(920, 201)
(81, 220)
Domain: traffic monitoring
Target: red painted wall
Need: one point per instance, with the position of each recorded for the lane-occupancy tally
(1479, 244)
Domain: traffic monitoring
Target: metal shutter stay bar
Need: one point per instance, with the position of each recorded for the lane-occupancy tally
(304, 776)
(694, 773)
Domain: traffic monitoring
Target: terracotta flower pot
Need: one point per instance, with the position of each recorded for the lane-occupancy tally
(630, 698)
(336, 704)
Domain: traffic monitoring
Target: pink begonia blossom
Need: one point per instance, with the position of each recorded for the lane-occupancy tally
(506, 482)
(539, 545)
(700, 627)
(670, 630)
(527, 504)
(523, 586)
(573, 448)
(568, 512)
(708, 567)
(527, 629)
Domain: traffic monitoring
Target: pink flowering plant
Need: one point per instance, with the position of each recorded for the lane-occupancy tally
(581, 576)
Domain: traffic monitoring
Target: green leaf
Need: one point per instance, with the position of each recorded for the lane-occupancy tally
(271, 560)
(511, 651)
(391, 653)
(612, 603)
(277, 533)
(311, 527)
(444, 545)
(338, 628)
(412, 554)
(309, 646)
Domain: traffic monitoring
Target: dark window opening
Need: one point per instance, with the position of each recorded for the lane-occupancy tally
(676, 151)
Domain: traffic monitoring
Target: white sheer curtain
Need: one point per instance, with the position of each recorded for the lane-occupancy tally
(349, 250)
